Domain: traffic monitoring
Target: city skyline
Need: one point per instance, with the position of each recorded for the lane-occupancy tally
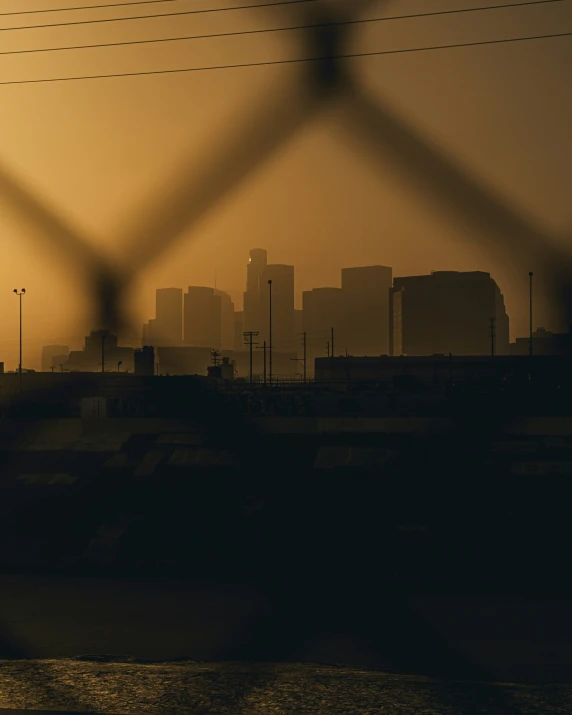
(317, 343)
(33, 349)
(372, 313)
(321, 196)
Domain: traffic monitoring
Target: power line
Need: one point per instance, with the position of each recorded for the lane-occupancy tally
(84, 7)
(284, 62)
(148, 17)
(269, 30)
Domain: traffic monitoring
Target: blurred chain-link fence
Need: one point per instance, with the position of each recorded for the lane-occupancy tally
(325, 76)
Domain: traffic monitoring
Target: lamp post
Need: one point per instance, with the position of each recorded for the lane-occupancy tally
(270, 326)
(20, 294)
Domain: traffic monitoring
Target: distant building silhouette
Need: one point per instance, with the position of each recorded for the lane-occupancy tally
(49, 352)
(238, 330)
(60, 361)
(282, 278)
(166, 328)
(183, 360)
(208, 319)
(203, 318)
(544, 343)
(144, 360)
(90, 358)
(224, 371)
(227, 321)
(93, 342)
(365, 319)
(169, 316)
(254, 288)
(322, 311)
(448, 312)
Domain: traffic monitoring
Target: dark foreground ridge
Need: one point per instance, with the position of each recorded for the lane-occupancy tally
(191, 688)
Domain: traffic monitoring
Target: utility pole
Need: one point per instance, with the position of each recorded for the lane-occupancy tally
(215, 354)
(248, 341)
(492, 321)
(333, 351)
(103, 351)
(304, 358)
(263, 347)
(530, 311)
(21, 293)
(328, 347)
(270, 326)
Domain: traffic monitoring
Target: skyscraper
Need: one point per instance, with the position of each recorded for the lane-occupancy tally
(166, 329)
(238, 330)
(366, 295)
(168, 324)
(227, 320)
(448, 312)
(282, 278)
(203, 318)
(252, 297)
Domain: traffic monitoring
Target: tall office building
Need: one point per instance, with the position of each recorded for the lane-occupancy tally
(203, 318)
(227, 320)
(448, 312)
(238, 330)
(365, 323)
(252, 297)
(169, 316)
(322, 311)
(282, 278)
(166, 328)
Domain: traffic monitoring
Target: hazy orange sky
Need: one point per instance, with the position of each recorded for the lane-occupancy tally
(95, 150)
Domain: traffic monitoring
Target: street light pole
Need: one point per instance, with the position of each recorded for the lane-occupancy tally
(270, 318)
(20, 293)
(265, 363)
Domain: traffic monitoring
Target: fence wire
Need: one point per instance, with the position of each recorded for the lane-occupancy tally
(384, 138)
